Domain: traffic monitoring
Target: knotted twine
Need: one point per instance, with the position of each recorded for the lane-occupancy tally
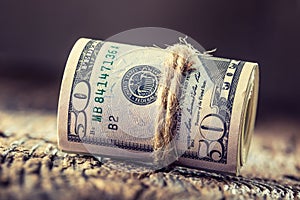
(177, 66)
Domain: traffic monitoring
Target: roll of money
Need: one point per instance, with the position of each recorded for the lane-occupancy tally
(149, 105)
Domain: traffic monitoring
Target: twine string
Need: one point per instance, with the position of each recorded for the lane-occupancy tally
(168, 97)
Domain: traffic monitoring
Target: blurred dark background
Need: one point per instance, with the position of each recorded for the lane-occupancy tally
(36, 37)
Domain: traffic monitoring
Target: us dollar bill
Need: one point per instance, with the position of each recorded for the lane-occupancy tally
(108, 105)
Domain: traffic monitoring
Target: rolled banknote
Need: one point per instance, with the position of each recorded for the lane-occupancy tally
(158, 106)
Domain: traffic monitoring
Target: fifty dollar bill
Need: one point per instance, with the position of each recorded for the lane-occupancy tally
(108, 105)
